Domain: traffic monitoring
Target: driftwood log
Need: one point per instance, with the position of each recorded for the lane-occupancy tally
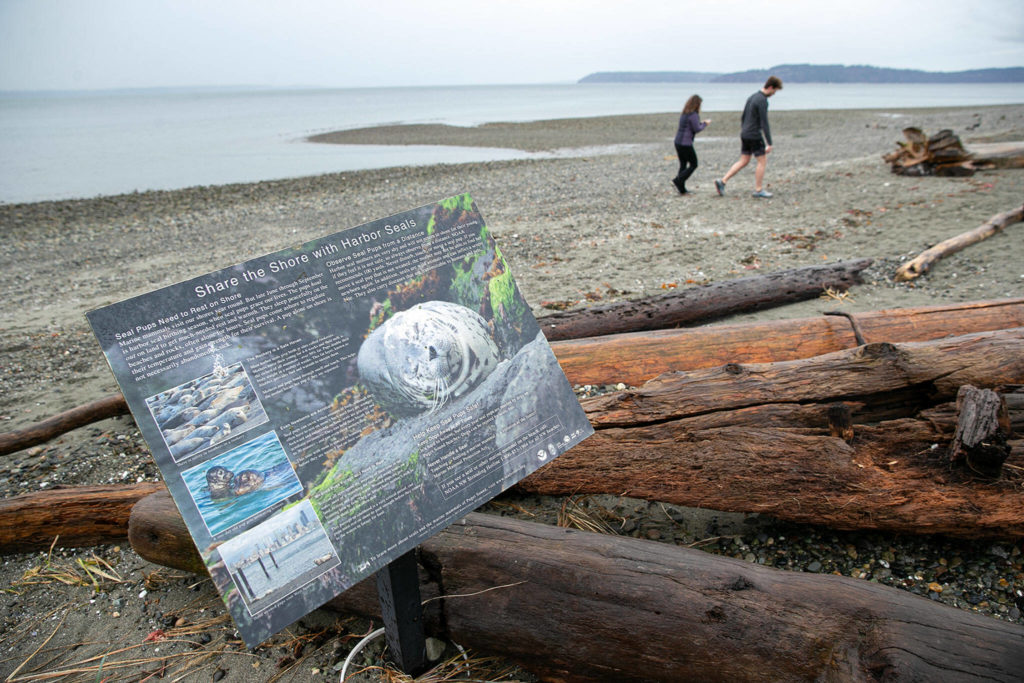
(79, 416)
(923, 262)
(694, 305)
(763, 438)
(756, 438)
(576, 606)
(941, 154)
(634, 358)
(999, 154)
(78, 515)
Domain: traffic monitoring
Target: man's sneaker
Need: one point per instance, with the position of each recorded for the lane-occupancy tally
(720, 186)
(762, 194)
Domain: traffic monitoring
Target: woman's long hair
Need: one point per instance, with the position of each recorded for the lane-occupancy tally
(692, 104)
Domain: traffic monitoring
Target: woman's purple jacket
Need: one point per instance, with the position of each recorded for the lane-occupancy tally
(689, 125)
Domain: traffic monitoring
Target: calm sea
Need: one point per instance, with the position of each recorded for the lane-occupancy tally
(72, 145)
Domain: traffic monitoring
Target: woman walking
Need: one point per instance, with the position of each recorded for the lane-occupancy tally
(689, 125)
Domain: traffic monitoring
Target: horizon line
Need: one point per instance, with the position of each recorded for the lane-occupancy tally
(309, 86)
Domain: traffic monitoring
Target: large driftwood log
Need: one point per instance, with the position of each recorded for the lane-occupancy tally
(79, 515)
(756, 438)
(634, 358)
(923, 262)
(693, 305)
(40, 432)
(577, 606)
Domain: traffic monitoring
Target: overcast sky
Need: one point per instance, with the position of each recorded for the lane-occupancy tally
(99, 44)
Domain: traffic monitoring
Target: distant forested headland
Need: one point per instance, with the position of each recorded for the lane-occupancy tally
(813, 73)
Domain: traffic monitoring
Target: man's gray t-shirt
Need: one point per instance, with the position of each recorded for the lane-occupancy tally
(755, 118)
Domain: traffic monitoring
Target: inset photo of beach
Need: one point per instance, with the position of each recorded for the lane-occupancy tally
(242, 482)
(278, 557)
(205, 411)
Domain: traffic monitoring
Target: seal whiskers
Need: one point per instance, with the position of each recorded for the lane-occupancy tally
(422, 357)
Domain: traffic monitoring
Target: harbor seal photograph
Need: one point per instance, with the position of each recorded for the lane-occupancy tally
(241, 483)
(200, 413)
(424, 356)
(222, 483)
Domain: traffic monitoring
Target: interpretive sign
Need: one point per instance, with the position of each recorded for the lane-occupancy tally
(320, 411)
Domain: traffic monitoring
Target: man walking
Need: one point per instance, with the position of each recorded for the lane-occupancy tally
(755, 122)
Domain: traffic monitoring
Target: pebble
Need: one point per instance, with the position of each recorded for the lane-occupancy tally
(435, 648)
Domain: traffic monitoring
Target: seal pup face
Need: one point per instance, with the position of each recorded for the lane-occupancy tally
(425, 355)
(422, 357)
(218, 480)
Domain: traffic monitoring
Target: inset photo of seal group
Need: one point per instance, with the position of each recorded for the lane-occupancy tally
(205, 411)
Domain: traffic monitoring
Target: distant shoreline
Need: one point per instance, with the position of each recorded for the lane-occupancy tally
(597, 131)
(814, 73)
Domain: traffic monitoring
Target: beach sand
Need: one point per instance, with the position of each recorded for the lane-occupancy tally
(590, 217)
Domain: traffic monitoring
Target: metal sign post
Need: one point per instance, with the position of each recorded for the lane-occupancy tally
(398, 589)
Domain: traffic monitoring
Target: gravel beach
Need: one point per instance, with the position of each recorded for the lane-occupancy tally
(590, 217)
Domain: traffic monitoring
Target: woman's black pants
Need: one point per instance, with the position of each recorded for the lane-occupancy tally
(687, 165)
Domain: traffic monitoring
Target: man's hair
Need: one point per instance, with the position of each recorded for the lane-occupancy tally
(773, 82)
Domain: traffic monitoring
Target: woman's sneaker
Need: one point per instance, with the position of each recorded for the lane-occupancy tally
(720, 186)
(762, 194)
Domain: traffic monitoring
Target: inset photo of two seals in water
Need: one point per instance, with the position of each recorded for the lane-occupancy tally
(205, 411)
(242, 482)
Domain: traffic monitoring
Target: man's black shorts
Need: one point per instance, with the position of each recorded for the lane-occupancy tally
(755, 147)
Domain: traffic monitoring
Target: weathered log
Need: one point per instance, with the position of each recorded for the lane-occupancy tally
(933, 370)
(982, 430)
(576, 606)
(40, 432)
(945, 143)
(79, 515)
(999, 154)
(693, 305)
(158, 533)
(923, 262)
(756, 439)
(634, 358)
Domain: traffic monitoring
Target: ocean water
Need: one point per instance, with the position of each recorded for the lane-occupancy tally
(85, 144)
